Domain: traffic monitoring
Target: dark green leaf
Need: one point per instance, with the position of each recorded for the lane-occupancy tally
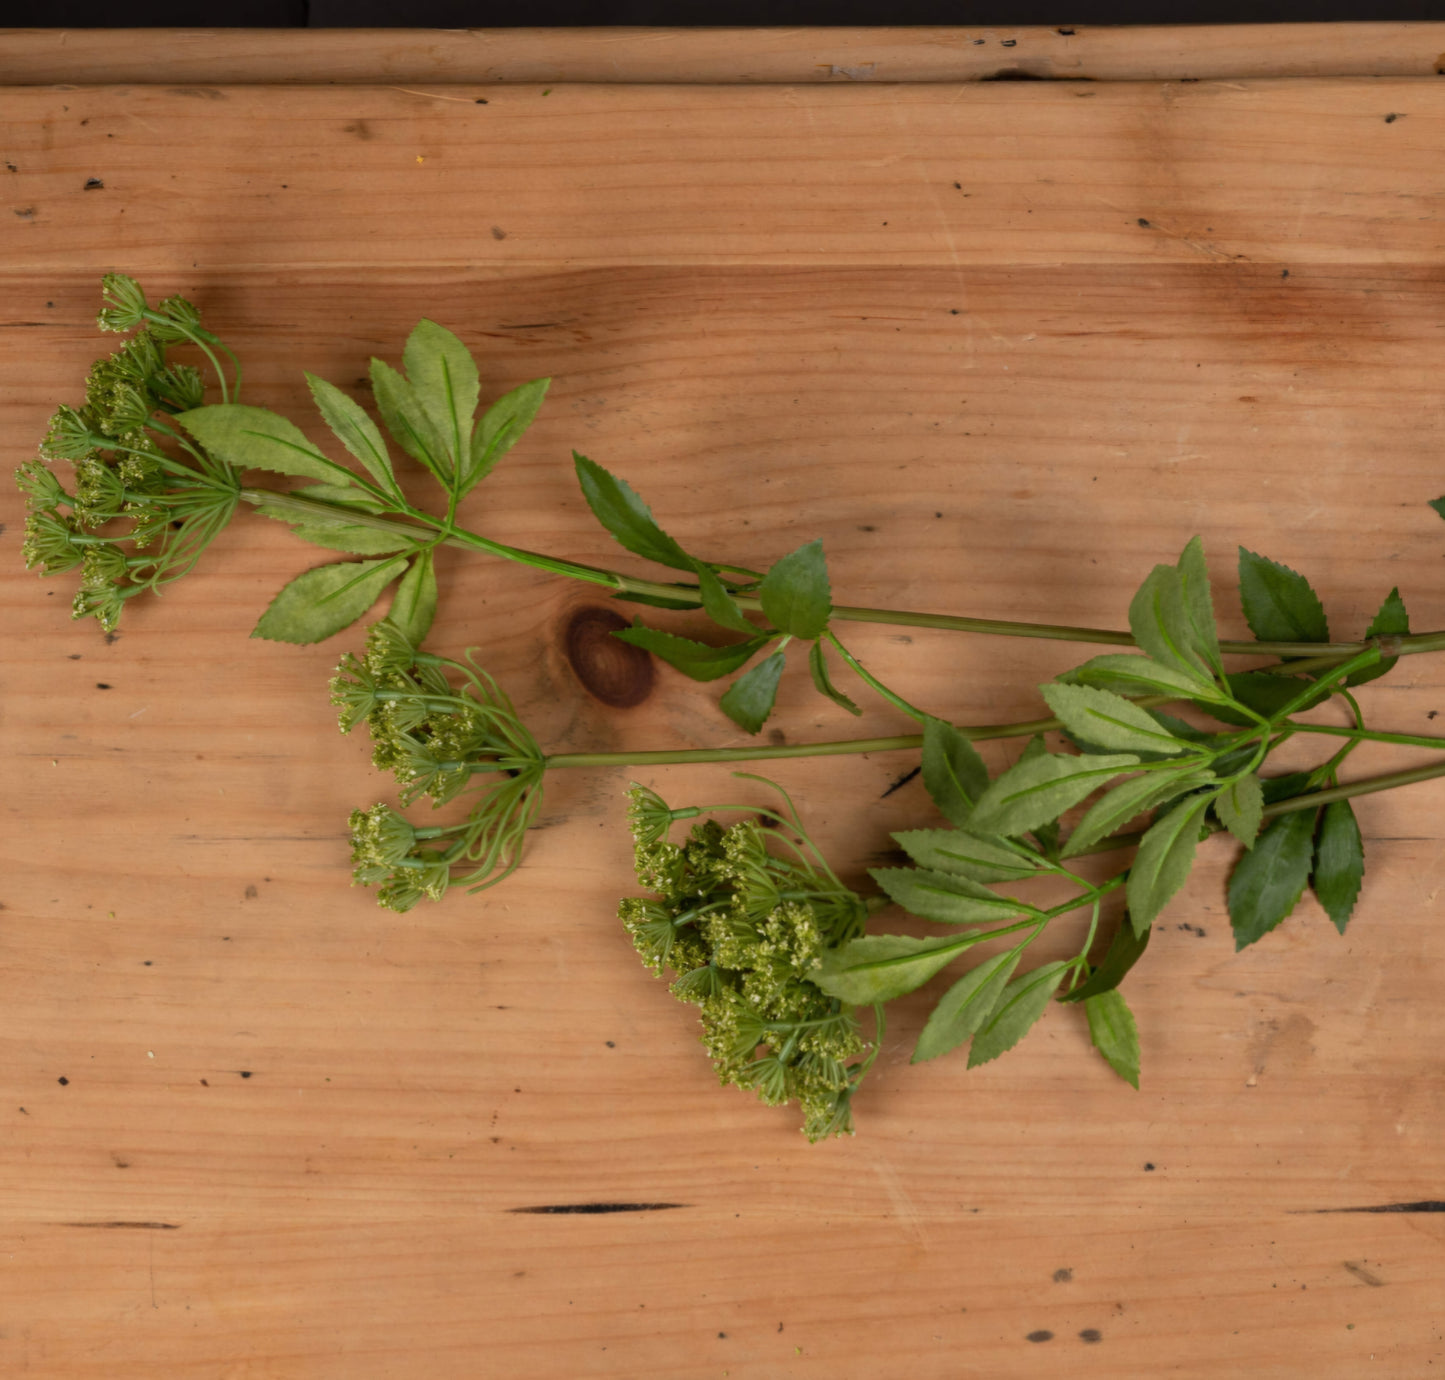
(251, 438)
(1268, 880)
(965, 1006)
(1141, 675)
(325, 600)
(694, 659)
(1265, 694)
(818, 665)
(1108, 720)
(1277, 788)
(501, 428)
(407, 420)
(718, 602)
(627, 517)
(1339, 867)
(795, 593)
(414, 605)
(953, 773)
(354, 429)
(1279, 604)
(969, 855)
(444, 380)
(1020, 1004)
(1240, 807)
(1123, 953)
(949, 899)
(1161, 624)
(1391, 621)
(1127, 801)
(1115, 1036)
(1038, 789)
(880, 967)
(1165, 857)
(1438, 504)
(749, 699)
(1199, 603)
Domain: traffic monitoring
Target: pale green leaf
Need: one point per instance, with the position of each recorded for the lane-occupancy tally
(1115, 1036)
(325, 600)
(1127, 801)
(965, 1006)
(970, 855)
(408, 421)
(1020, 1005)
(1164, 859)
(501, 428)
(354, 429)
(414, 605)
(251, 438)
(1141, 675)
(1199, 603)
(954, 774)
(1109, 720)
(1240, 807)
(880, 967)
(948, 898)
(444, 380)
(1038, 789)
(1162, 625)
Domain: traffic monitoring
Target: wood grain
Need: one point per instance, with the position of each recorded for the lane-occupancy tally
(299, 1136)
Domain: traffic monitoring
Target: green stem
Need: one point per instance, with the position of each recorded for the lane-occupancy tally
(1371, 735)
(872, 681)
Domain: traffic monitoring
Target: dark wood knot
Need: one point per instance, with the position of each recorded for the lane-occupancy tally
(614, 672)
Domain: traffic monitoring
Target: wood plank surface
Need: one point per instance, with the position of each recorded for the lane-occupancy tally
(258, 1127)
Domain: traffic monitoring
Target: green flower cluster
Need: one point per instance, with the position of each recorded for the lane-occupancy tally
(745, 931)
(440, 742)
(122, 472)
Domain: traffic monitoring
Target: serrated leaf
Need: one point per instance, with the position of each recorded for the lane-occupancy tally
(626, 516)
(1390, 621)
(1199, 603)
(1240, 807)
(948, 899)
(1038, 789)
(1279, 604)
(414, 605)
(1127, 801)
(795, 593)
(1115, 1036)
(1268, 881)
(501, 428)
(718, 602)
(1020, 1005)
(968, 855)
(880, 967)
(1339, 866)
(444, 381)
(354, 429)
(1278, 788)
(1162, 626)
(1166, 854)
(325, 600)
(1109, 720)
(340, 536)
(749, 699)
(965, 1007)
(251, 438)
(1125, 950)
(818, 665)
(1140, 675)
(1265, 694)
(694, 659)
(954, 774)
(409, 423)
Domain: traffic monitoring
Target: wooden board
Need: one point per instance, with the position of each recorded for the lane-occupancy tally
(258, 1127)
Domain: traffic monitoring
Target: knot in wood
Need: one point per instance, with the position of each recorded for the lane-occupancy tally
(617, 673)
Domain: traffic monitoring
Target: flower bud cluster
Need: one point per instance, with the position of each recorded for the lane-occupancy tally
(745, 932)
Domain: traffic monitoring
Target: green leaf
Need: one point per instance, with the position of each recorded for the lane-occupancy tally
(968, 855)
(880, 967)
(949, 899)
(1391, 621)
(1161, 624)
(1126, 949)
(1279, 604)
(501, 428)
(818, 665)
(749, 699)
(694, 659)
(718, 602)
(1127, 801)
(1240, 807)
(1115, 1036)
(1277, 788)
(354, 429)
(1265, 694)
(414, 605)
(251, 438)
(325, 600)
(627, 517)
(408, 421)
(1199, 603)
(795, 593)
(965, 1006)
(1140, 675)
(1036, 790)
(339, 536)
(953, 773)
(1268, 881)
(1108, 720)
(1339, 867)
(1020, 1004)
(1165, 856)
(444, 380)
(656, 601)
